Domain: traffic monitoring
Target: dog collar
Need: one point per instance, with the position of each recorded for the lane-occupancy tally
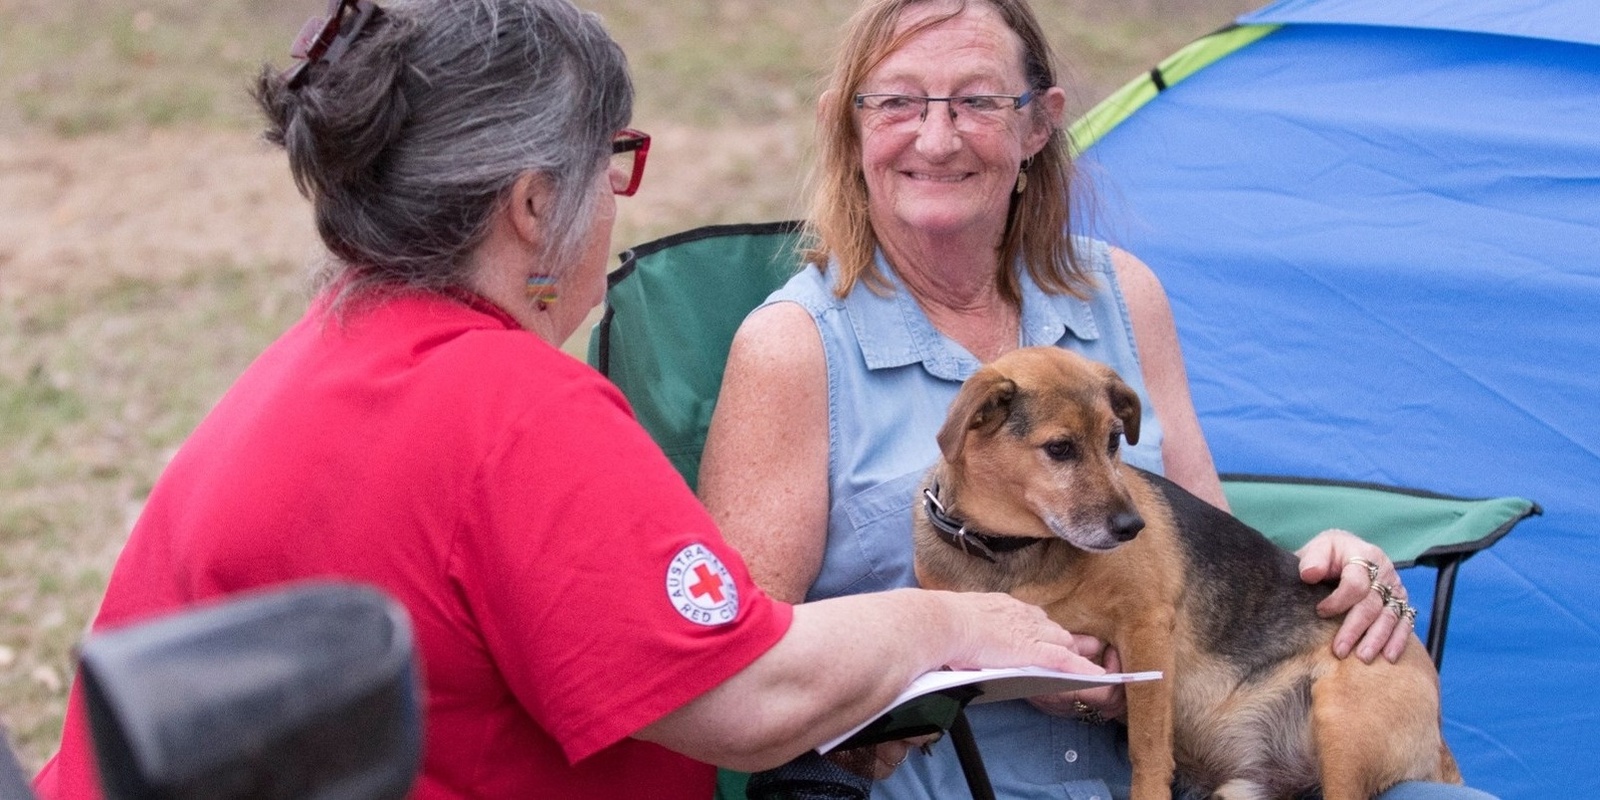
(955, 533)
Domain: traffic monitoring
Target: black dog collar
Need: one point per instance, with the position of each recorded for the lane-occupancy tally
(955, 533)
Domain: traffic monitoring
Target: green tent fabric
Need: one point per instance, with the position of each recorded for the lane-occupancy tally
(1190, 59)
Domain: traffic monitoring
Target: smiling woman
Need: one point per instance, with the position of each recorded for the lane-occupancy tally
(937, 245)
(933, 182)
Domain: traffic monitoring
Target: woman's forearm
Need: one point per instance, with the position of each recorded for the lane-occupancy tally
(844, 659)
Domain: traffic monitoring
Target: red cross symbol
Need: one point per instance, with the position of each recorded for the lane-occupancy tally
(709, 584)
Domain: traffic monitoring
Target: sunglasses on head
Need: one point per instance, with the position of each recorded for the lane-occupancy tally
(325, 39)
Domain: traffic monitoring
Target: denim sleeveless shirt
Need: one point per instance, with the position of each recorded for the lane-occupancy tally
(891, 379)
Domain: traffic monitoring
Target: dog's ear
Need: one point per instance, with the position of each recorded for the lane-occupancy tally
(1124, 403)
(984, 403)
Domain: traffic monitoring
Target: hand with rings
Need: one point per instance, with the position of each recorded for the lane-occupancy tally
(1378, 619)
(1093, 706)
(1391, 595)
(880, 761)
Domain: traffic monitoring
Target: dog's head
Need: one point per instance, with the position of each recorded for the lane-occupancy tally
(1032, 446)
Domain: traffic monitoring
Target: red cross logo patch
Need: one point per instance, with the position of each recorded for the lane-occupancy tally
(700, 587)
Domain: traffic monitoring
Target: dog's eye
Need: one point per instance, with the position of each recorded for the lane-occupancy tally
(1116, 441)
(1061, 450)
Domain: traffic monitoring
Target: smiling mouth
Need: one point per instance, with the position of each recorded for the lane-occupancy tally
(923, 176)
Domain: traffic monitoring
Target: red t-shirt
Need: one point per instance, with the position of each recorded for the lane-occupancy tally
(565, 586)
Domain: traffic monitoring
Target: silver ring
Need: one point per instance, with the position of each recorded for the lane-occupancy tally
(1371, 568)
(1402, 610)
(1087, 713)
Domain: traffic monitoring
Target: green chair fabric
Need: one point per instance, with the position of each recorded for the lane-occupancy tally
(673, 306)
(1413, 527)
(671, 311)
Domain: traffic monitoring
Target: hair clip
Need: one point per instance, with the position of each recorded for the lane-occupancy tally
(325, 39)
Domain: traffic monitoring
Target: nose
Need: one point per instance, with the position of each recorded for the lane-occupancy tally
(1125, 525)
(937, 135)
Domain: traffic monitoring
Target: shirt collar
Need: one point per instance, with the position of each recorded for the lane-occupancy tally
(893, 331)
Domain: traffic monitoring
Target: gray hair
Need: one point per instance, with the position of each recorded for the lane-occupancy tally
(407, 144)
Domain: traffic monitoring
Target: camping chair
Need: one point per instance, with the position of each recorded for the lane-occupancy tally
(673, 306)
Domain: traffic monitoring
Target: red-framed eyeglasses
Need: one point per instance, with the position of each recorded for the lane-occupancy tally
(628, 150)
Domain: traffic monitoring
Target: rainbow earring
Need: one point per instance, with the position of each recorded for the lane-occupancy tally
(542, 289)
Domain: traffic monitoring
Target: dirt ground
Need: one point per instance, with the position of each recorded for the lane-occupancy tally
(80, 213)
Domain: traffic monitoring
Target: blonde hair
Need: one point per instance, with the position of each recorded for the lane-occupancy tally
(838, 228)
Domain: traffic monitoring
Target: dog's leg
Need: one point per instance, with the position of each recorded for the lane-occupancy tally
(1378, 724)
(1150, 708)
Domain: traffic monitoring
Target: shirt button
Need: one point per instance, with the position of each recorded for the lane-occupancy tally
(1071, 756)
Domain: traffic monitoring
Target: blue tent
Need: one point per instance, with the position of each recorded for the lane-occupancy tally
(1379, 223)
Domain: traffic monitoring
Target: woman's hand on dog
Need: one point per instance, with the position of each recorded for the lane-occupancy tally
(1002, 631)
(1369, 627)
(1107, 702)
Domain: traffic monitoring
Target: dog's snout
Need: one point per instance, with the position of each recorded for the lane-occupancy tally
(1126, 524)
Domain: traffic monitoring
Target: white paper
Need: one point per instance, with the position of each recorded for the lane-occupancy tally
(997, 684)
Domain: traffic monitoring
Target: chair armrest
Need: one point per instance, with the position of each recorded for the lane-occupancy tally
(1412, 526)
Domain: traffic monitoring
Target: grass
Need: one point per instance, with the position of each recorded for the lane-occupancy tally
(96, 391)
(109, 358)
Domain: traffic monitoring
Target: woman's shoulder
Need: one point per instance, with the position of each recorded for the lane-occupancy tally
(1095, 256)
(781, 334)
(795, 312)
(1131, 274)
(1138, 281)
(811, 288)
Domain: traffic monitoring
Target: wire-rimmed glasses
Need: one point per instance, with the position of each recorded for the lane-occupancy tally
(628, 150)
(883, 109)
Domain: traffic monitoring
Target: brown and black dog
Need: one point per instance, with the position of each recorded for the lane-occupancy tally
(1031, 498)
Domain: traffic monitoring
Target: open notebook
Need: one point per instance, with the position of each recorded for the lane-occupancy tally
(931, 702)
